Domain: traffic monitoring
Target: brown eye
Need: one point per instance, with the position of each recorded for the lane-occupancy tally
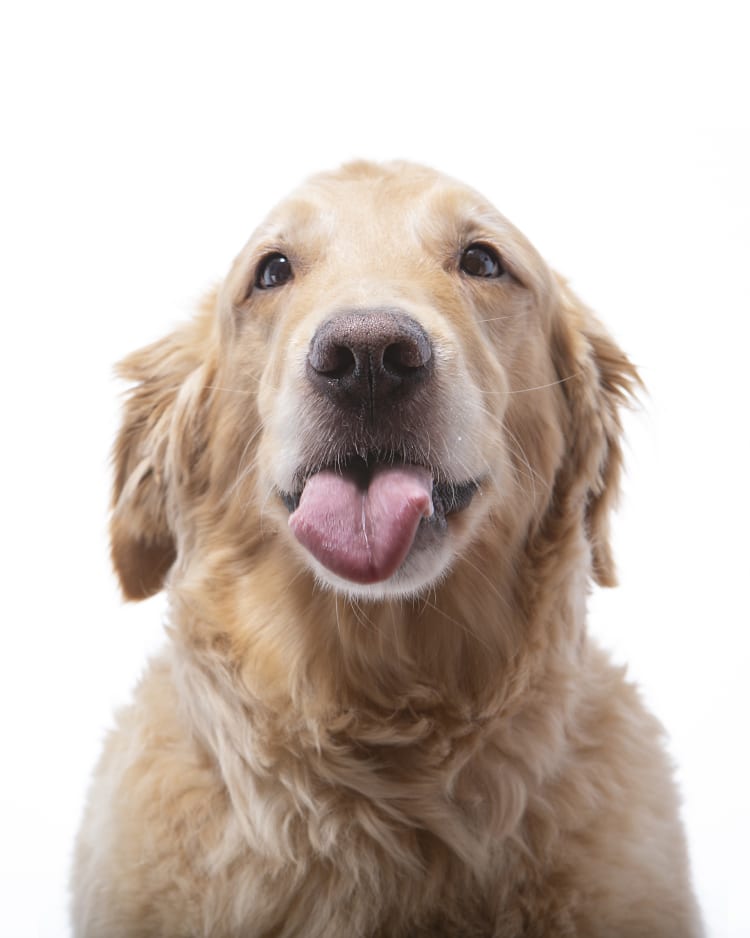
(273, 271)
(479, 260)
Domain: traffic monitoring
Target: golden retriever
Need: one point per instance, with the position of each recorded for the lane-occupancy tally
(374, 475)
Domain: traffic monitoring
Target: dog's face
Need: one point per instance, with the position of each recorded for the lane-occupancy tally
(397, 312)
(389, 372)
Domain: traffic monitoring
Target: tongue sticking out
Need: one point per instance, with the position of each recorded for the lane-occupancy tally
(363, 532)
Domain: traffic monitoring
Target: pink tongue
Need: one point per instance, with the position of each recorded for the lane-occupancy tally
(363, 534)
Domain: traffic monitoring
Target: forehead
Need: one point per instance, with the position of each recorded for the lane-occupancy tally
(366, 201)
(383, 215)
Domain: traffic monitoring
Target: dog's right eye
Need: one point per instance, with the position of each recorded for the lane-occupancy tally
(273, 271)
(480, 260)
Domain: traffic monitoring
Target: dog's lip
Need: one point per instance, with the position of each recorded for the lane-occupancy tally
(449, 496)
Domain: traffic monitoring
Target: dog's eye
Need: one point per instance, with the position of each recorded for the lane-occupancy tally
(273, 271)
(478, 260)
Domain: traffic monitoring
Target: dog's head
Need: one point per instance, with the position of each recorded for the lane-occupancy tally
(389, 375)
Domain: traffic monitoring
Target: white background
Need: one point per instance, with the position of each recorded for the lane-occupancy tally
(142, 142)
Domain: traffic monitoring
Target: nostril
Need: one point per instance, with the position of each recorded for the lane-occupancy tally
(402, 358)
(333, 361)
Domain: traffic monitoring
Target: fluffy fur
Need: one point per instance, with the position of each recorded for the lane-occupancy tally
(446, 753)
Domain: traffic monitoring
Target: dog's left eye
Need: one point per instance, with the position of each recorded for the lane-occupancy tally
(273, 271)
(479, 260)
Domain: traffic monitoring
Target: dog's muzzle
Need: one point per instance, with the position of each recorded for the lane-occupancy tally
(359, 515)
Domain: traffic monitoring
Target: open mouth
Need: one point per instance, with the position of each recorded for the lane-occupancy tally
(361, 518)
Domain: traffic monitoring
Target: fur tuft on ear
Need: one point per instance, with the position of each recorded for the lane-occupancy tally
(143, 541)
(597, 379)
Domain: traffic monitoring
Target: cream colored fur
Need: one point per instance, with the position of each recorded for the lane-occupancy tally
(312, 759)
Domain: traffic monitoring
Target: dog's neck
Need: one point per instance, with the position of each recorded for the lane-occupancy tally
(426, 696)
(469, 652)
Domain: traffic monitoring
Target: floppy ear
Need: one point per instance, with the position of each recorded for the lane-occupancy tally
(158, 429)
(597, 379)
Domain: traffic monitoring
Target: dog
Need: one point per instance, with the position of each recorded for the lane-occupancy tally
(374, 475)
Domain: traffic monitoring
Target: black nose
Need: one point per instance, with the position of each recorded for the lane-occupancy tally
(369, 358)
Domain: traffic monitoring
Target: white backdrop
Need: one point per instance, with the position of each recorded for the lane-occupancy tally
(144, 141)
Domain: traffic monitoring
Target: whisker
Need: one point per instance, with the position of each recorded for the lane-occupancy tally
(538, 387)
(338, 619)
(361, 617)
(520, 453)
(218, 387)
(461, 625)
(255, 378)
(243, 472)
(495, 591)
(496, 319)
(517, 450)
(262, 509)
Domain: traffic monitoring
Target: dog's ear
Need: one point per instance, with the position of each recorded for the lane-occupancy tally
(597, 379)
(152, 453)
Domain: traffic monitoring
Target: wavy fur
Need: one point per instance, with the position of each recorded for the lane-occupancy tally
(304, 760)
